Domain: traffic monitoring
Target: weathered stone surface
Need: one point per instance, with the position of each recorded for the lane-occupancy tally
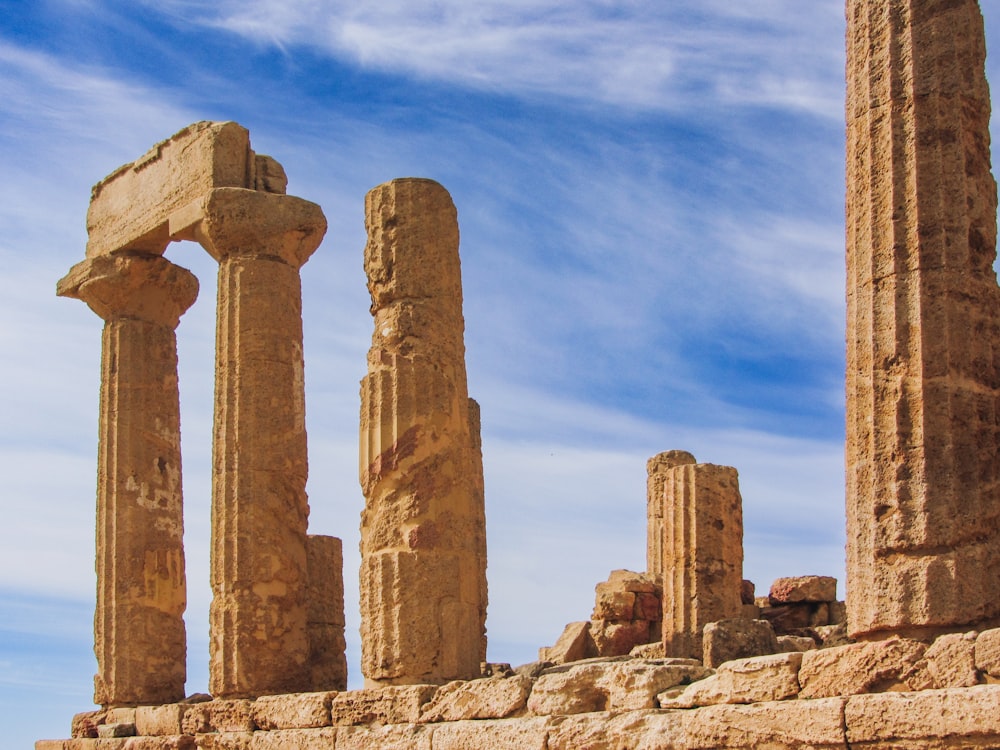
(491, 698)
(814, 724)
(726, 640)
(633, 730)
(386, 705)
(177, 742)
(987, 653)
(789, 617)
(85, 724)
(520, 734)
(116, 730)
(218, 716)
(895, 664)
(131, 207)
(952, 718)
(748, 592)
(923, 308)
(626, 685)
(574, 644)
(702, 579)
(951, 661)
(297, 711)
(398, 737)
(423, 534)
(139, 635)
(325, 617)
(656, 470)
(618, 638)
(648, 651)
(755, 680)
(793, 643)
(323, 738)
(224, 741)
(803, 589)
(158, 721)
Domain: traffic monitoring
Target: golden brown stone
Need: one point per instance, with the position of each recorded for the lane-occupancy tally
(656, 471)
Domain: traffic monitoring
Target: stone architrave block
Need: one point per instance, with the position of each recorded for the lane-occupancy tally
(726, 640)
(756, 680)
(955, 717)
(131, 207)
(519, 734)
(951, 661)
(491, 698)
(391, 737)
(574, 644)
(295, 711)
(779, 725)
(803, 589)
(877, 666)
(387, 705)
(987, 653)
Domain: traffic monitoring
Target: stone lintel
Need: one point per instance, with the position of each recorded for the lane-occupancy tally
(234, 221)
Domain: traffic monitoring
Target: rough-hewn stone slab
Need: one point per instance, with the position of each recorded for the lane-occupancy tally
(388, 705)
(649, 730)
(512, 734)
(863, 668)
(956, 717)
(801, 725)
(398, 737)
(323, 738)
(574, 644)
(129, 208)
(218, 716)
(298, 711)
(158, 721)
(224, 741)
(736, 638)
(951, 661)
(988, 653)
(803, 589)
(760, 679)
(492, 698)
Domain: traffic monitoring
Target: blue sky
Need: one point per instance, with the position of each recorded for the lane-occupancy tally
(650, 198)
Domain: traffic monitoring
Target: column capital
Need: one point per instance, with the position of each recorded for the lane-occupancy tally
(134, 285)
(238, 222)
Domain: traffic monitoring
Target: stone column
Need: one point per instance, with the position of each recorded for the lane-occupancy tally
(702, 553)
(923, 322)
(423, 548)
(327, 645)
(139, 636)
(259, 612)
(656, 471)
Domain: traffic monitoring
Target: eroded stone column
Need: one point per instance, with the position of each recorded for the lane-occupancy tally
(327, 645)
(923, 329)
(702, 553)
(139, 636)
(259, 612)
(656, 470)
(423, 548)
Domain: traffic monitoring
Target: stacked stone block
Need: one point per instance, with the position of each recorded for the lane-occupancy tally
(797, 604)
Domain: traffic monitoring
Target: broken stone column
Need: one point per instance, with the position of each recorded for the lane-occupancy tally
(702, 553)
(259, 613)
(327, 646)
(656, 470)
(423, 530)
(923, 330)
(139, 636)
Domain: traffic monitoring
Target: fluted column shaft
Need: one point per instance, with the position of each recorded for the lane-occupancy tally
(423, 530)
(259, 568)
(657, 470)
(139, 636)
(923, 329)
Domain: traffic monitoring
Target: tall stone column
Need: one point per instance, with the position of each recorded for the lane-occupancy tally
(259, 613)
(139, 636)
(657, 469)
(423, 530)
(702, 553)
(923, 322)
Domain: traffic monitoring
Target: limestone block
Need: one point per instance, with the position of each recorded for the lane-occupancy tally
(793, 643)
(519, 734)
(618, 638)
(176, 742)
(614, 605)
(395, 737)
(648, 651)
(803, 589)
(748, 592)
(656, 469)
(951, 661)
(85, 724)
(491, 698)
(702, 553)
(218, 716)
(895, 664)
(832, 635)
(726, 640)
(755, 680)
(576, 690)
(789, 617)
(645, 730)
(322, 738)
(574, 644)
(160, 721)
(386, 705)
(56, 745)
(224, 741)
(116, 729)
(130, 208)
(297, 711)
(633, 685)
(838, 613)
(987, 653)
(952, 718)
(779, 725)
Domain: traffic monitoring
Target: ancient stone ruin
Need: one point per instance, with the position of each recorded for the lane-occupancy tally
(681, 656)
